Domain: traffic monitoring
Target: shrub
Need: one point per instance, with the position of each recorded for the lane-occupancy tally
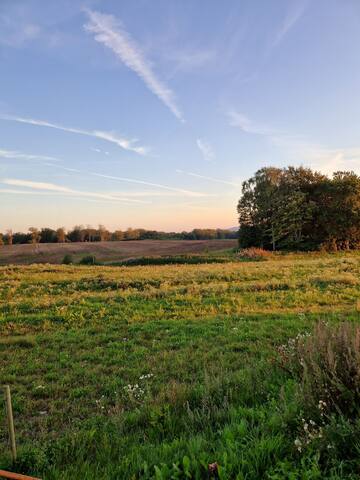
(253, 253)
(327, 362)
(171, 260)
(88, 260)
(67, 260)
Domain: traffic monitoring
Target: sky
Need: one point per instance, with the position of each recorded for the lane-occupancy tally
(151, 113)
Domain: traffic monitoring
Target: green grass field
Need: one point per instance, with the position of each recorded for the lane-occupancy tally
(158, 371)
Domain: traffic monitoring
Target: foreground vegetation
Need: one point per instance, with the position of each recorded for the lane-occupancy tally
(181, 371)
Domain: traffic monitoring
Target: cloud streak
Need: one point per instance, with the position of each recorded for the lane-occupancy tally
(165, 190)
(59, 189)
(169, 191)
(126, 144)
(111, 33)
(206, 150)
(14, 154)
(237, 119)
(188, 193)
(98, 150)
(292, 17)
(210, 179)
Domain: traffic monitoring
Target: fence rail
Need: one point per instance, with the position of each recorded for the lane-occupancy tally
(15, 476)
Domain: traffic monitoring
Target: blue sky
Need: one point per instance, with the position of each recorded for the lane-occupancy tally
(150, 113)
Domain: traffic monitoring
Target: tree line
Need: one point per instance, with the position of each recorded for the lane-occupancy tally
(300, 209)
(101, 234)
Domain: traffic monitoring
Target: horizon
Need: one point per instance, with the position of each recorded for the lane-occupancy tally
(96, 227)
(152, 115)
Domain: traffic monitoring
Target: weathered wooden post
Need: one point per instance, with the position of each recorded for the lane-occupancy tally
(10, 420)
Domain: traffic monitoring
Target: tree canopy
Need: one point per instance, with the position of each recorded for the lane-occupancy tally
(299, 209)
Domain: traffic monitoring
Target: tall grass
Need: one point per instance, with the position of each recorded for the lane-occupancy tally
(158, 372)
(327, 361)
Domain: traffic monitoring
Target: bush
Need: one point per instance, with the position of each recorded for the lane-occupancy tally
(253, 253)
(67, 260)
(172, 260)
(88, 260)
(327, 362)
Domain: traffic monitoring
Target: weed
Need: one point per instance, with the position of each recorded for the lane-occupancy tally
(254, 253)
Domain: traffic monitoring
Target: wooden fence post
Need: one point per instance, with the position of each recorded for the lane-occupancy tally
(10, 420)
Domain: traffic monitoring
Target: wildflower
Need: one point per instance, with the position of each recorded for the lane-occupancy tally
(298, 444)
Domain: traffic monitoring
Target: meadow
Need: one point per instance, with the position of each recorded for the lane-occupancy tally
(157, 372)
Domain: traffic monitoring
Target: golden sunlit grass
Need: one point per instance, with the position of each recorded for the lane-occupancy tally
(132, 368)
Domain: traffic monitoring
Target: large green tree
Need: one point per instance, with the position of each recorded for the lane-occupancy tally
(296, 208)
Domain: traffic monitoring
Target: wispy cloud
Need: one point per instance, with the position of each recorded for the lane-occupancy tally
(110, 32)
(237, 119)
(181, 191)
(206, 150)
(35, 185)
(17, 33)
(292, 17)
(59, 189)
(300, 148)
(150, 193)
(210, 179)
(169, 191)
(98, 150)
(14, 154)
(185, 61)
(67, 169)
(111, 137)
(11, 191)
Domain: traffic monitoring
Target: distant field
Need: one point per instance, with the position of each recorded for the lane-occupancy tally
(106, 251)
(154, 372)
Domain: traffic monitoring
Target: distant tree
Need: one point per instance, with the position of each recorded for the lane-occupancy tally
(60, 235)
(19, 237)
(76, 234)
(1, 239)
(90, 234)
(35, 235)
(131, 234)
(47, 235)
(104, 234)
(117, 235)
(9, 237)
